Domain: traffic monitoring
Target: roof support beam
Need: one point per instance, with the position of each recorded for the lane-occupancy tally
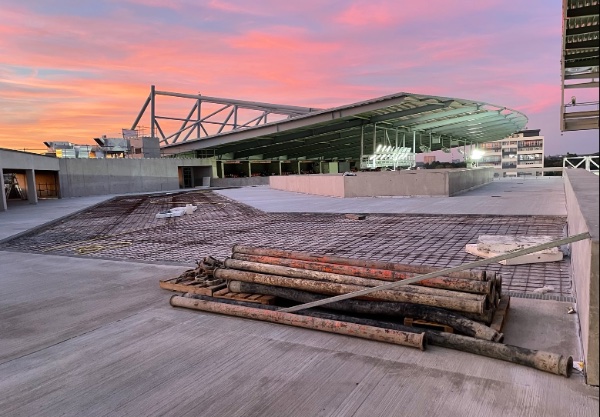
(454, 121)
(591, 84)
(434, 116)
(409, 112)
(465, 126)
(582, 55)
(297, 110)
(592, 62)
(581, 45)
(313, 143)
(480, 124)
(582, 30)
(584, 11)
(582, 76)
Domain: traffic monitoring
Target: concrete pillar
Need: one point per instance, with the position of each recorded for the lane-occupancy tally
(3, 206)
(581, 192)
(31, 190)
(334, 167)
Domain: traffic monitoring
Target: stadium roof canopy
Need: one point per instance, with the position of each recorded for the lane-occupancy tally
(433, 122)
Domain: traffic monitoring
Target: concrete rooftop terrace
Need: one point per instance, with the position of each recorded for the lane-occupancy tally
(97, 337)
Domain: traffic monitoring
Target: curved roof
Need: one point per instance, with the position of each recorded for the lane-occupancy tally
(439, 122)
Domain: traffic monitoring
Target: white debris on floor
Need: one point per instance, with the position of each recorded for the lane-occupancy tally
(488, 246)
(177, 211)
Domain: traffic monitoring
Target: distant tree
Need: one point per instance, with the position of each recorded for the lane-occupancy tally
(444, 165)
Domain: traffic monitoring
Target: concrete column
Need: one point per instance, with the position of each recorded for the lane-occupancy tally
(3, 206)
(334, 168)
(31, 190)
(581, 192)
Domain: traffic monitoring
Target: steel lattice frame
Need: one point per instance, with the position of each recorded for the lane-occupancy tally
(196, 122)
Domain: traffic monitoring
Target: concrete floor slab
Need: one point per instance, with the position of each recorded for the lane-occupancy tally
(513, 197)
(83, 336)
(126, 228)
(22, 216)
(49, 299)
(160, 361)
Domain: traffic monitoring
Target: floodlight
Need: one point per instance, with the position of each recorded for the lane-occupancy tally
(477, 154)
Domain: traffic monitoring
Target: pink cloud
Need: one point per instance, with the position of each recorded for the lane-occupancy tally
(454, 49)
(377, 13)
(367, 14)
(77, 77)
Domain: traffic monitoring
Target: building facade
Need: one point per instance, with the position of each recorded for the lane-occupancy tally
(517, 155)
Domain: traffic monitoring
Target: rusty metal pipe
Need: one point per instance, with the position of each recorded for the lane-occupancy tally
(403, 338)
(448, 283)
(543, 361)
(285, 271)
(379, 308)
(486, 317)
(416, 269)
(329, 288)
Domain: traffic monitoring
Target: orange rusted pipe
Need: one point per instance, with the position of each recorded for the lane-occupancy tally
(448, 283)
(416, 269)
(330, 288)
(285, 271)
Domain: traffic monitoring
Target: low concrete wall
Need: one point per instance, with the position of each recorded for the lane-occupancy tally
(28, 163)
(430, 182)
(331, 185)
(239, 182)
(10, 159)
(462, 180)
(581, 190)
(85, 177)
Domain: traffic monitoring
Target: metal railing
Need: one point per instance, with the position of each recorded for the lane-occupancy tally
(589, 163)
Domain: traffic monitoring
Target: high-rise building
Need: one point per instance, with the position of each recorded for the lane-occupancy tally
(524, 149)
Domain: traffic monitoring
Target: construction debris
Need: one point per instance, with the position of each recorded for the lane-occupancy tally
(464, 311)
(355, 216)
(488, 246)
(176, 211)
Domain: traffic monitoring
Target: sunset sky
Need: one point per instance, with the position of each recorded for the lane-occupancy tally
(72, 70)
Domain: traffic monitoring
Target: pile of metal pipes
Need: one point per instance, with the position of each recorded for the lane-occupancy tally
(463, 300)
(302, 277)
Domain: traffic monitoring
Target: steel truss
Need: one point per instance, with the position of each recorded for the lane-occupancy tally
(227, 118)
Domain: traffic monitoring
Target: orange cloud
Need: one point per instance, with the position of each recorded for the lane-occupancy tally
(74, 75)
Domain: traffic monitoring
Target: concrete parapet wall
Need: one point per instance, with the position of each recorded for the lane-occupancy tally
(86, 177)
(239, 182)
(460, 181)
(331, 185)
(10, 159)
(431, 182)
(581, 191)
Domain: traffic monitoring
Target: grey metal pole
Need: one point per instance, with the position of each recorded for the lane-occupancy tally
(198, 130)
(414, 164)
(362, 141)
(374, 137)
(152, 110)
